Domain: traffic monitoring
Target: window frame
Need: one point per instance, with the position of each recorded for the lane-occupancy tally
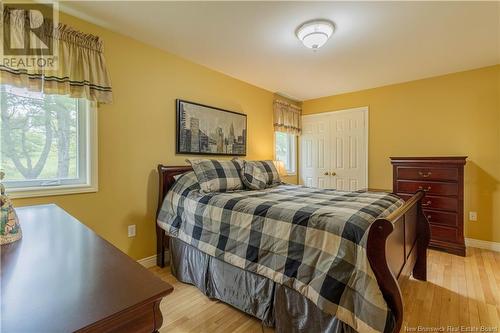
(292, 156)
(85, 184)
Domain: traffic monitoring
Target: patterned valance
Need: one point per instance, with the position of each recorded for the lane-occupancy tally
(287, 117)
(75, 67)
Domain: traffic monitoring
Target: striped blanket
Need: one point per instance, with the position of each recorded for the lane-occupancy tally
(311, 240)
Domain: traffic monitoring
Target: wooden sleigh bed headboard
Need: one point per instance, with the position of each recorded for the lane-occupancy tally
(166, 180)
(396, 248)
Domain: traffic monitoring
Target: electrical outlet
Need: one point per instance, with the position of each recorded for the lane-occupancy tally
(131, 230)
(472, 216)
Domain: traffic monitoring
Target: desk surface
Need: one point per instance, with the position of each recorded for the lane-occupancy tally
(63, 277)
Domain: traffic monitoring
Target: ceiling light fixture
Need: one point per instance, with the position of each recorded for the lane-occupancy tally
(314, 34)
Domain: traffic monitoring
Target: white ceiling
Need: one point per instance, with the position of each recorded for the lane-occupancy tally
(375, 43)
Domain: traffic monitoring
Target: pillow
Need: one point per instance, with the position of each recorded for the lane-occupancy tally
(187, 180)
(176, 177)
(187, 173)
(258, 175)
(217, 176)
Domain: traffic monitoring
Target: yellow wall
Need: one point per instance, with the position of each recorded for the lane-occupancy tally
(137, 132)
(456, 114)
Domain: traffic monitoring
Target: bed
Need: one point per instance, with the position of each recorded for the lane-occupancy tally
(295, 295)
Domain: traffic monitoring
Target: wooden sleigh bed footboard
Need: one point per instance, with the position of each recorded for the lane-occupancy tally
(396, 248)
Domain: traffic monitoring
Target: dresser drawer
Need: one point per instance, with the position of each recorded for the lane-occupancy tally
(429, 187)
(433, 202)
(422, 173)
(441, 218)
(447, 234)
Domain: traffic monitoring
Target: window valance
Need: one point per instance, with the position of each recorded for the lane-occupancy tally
(287, 117)
(76, 66)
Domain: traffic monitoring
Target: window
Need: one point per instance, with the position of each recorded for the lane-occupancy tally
(285, 150)
(47, 143)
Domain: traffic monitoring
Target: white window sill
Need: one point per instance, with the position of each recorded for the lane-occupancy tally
(32, 192)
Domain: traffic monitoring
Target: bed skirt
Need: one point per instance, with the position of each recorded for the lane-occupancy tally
(274, 304)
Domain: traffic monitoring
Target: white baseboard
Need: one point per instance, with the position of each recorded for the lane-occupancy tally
(481, 244)
(149, 262)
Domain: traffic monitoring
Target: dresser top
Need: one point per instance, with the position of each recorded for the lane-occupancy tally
(430, 159)
(61, 276)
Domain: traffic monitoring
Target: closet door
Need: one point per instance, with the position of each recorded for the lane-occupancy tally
(333, 150)
(349, 134)
(315, 152)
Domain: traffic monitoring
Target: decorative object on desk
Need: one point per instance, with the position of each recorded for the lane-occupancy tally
(207, 130)
(10, 230)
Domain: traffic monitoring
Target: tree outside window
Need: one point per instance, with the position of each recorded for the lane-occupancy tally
(43, 138)
(285, 150)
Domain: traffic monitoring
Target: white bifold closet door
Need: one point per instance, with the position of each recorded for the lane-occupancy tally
(333, 150)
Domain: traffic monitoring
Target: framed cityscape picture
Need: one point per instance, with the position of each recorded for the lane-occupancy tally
(207, 130)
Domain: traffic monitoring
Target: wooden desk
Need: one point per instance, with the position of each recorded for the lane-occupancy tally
(62, 277)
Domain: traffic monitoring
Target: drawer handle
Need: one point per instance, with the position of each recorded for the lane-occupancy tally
(425, 189)
(429, 217)
(428, 203)
(425, 175)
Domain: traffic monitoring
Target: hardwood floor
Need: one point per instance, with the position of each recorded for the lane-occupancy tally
(460, 292)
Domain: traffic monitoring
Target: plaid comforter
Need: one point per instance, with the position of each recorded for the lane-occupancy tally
(311, 240)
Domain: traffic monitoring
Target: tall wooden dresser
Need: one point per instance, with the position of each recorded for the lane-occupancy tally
(442, 179)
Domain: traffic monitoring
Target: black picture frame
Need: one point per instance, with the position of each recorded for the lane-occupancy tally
(206, 142)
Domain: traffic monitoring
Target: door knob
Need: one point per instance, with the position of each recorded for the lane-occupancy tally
(326, 173)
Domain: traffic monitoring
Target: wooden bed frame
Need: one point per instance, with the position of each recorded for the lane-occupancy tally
(396, 248)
